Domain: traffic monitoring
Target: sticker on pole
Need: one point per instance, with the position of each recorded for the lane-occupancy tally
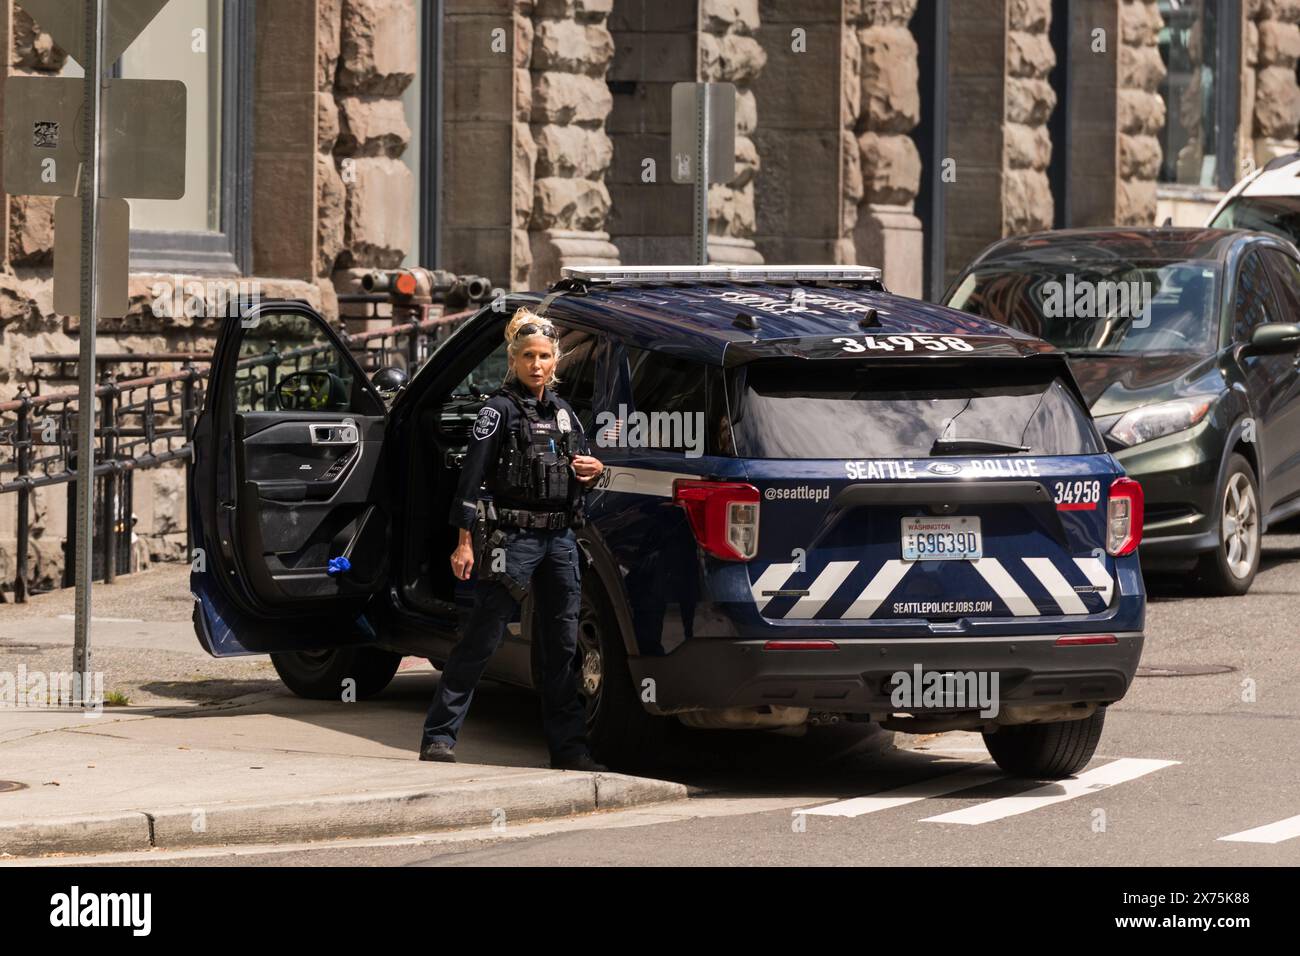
(721, 109)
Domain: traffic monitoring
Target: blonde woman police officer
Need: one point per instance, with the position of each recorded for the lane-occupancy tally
(528, 450)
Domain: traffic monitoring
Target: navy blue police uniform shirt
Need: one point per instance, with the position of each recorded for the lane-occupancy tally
(498, 417)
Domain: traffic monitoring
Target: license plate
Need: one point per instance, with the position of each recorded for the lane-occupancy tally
(942, 539)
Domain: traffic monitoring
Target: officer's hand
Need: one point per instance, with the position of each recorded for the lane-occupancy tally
(462, 561)
(587, 467)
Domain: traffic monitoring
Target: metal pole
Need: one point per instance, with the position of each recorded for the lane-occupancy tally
(702, 175)
(89, 183)
(24, 492)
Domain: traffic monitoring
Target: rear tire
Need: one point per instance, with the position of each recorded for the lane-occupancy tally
(1046, 751)
(319, 675)
(1230, 569)
(620, 732)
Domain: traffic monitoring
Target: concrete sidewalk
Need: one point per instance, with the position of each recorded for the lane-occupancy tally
(269, 768)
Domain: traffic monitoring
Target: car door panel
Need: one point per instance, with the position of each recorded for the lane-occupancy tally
(284, 490)
(1284, 428)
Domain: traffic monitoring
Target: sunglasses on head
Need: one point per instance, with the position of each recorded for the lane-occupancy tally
(533, 328)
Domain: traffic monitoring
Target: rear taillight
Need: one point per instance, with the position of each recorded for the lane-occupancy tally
(1124, 517)
(723, 516)
(1085, 640)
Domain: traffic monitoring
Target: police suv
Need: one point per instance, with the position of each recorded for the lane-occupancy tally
(820, 502)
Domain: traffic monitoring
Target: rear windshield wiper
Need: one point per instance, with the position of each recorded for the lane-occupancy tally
(956, 446)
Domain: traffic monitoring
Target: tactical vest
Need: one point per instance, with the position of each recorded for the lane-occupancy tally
(534, 462)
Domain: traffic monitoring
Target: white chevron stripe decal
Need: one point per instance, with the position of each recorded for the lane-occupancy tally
(1095, 570)
(827, 583)
(773, 578)
(1061, 590)
(1005, 587)
(878, 589)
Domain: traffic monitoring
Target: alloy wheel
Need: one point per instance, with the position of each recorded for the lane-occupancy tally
(1240, 526)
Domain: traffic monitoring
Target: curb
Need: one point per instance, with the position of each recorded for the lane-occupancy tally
(491, 801)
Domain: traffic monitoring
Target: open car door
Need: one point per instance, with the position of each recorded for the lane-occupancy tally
(287, 506)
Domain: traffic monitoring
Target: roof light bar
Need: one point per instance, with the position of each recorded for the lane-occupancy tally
(647, 274)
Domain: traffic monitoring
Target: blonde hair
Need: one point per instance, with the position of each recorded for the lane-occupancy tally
(522, 317)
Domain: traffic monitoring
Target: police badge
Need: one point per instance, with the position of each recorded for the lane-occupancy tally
(486, 423)
(562, 420)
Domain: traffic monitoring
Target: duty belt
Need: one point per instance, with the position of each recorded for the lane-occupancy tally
(549, 520)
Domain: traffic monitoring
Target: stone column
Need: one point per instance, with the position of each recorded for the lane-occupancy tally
(977, 56)
(1270, 95)
(285, 159)
(656, 45)
(486, 98)
(729, 53)
(565, 139)
(808, 194)
(1117, 114)
(999, 101)
(885, 231)
(1140, 114)
(1030, 100)
(370, 222)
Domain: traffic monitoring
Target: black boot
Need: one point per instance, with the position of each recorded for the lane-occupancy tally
(438, 750)
(581, 761)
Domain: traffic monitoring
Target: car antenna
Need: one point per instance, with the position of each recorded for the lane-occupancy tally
(871, 320)
(746, 320)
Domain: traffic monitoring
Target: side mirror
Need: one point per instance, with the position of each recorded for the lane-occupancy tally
(1274, 338)
(389, 380)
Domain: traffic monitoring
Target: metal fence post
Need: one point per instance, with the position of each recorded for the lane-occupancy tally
(107, 410)
(188, 415)
(24, 433)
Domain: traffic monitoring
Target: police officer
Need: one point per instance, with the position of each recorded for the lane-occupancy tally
(529, 449)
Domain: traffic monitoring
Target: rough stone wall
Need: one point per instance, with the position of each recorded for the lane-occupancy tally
(368, 54)
(885, 105)
(1140, 112)
(730, 53)
(562, 151)
(1270, 95)
(1027, 195)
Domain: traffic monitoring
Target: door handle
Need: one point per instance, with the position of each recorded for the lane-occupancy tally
(335, 433)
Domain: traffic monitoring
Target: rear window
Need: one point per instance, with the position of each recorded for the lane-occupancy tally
(1279, 215)
(1103, 305)
(905, 411)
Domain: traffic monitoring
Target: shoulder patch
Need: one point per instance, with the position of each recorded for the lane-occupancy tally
(486, 423)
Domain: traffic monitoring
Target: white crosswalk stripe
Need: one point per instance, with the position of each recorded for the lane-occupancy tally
(1287, 829)
(1091, 781)
(901, 796)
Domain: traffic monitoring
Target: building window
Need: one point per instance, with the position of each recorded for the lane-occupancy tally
(1200, 46)
(207, 44)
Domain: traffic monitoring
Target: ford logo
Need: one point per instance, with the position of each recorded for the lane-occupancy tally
(947, 469)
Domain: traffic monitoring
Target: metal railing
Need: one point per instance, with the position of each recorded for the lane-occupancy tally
(147, 422)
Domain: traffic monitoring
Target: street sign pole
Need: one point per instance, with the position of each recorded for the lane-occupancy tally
(88, 182)
(703, 149)
(701, 245)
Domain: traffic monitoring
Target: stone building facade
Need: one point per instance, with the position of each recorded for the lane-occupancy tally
(509, 138)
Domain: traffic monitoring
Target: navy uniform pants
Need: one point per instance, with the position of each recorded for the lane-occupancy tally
(550, 559)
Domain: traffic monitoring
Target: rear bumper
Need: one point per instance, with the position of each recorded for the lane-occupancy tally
(857, 677)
